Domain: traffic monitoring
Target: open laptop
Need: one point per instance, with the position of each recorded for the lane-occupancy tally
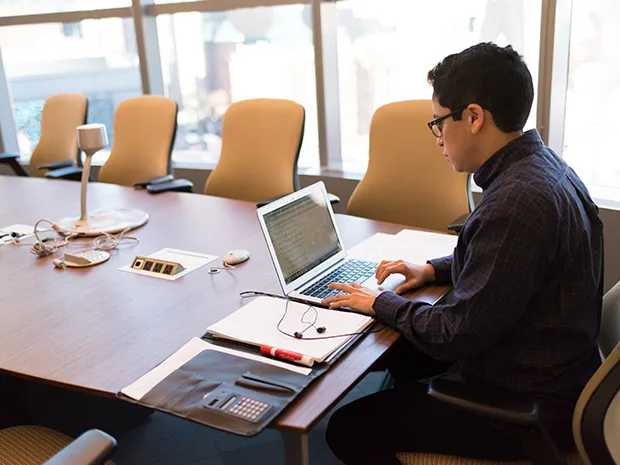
(307, 249)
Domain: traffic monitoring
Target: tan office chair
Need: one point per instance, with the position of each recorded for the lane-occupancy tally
(141, 154)
(57, 146)
(408, 180)
(261, 140)
(35, 445)
(596, 420)
(144, 133)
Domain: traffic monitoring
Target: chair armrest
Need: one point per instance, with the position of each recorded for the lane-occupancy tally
(176, 185)
(333, 199)
(486, 401)
(5, 157)
(55, 166)
(157, 180)
(93, 447)
(73, 173)
(12, 159)
(458, 224)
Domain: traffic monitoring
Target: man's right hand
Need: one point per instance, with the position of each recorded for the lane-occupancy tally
(415, 275)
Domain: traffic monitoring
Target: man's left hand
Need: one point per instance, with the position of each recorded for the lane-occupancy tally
(357, 297)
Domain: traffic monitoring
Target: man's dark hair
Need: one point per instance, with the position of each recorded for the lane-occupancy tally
(495, 78)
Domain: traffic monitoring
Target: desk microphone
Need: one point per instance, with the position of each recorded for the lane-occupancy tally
(91, 139)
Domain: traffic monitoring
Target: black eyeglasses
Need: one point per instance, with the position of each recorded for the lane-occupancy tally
(436, 126)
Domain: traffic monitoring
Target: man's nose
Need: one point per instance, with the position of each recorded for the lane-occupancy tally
(440, 141)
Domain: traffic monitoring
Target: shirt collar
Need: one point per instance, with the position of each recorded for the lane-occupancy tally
(510, 153)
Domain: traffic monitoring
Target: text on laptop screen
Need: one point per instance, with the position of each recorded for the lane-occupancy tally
(303, 236)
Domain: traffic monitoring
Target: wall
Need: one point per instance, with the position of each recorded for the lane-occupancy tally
(344, 188)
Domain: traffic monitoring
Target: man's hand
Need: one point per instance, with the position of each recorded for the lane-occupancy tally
(415, 275)
(358, 298)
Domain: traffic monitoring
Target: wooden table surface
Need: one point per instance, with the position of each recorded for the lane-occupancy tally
(100, 329)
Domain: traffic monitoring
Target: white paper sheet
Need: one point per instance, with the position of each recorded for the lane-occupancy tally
(142, 386)
(257, 323)
(409, 245)
(191, 261)
(420, 246)
(373, 249)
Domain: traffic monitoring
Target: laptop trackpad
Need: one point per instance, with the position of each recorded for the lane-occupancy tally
(390, 284)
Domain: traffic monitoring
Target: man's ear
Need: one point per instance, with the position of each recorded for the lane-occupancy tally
(475, 118)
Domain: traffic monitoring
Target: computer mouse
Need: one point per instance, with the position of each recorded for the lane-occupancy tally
(236, 256)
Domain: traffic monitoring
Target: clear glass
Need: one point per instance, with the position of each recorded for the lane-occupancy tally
(386, 48)
(593, 97)
(30, 7)
(210, 60)
(96, 58)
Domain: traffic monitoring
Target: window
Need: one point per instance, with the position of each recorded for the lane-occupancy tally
(593, 96)
(29, 7)
(72, 30)
(210, 60)
(386, 48)
(41, 60)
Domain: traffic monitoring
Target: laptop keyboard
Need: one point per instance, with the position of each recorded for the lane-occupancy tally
(351, 271)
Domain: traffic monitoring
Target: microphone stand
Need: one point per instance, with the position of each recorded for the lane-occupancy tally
(91, 139)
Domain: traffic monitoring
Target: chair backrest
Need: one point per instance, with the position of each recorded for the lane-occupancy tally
(596, 422)
(261, 140)
(61, 115)
(144, 132)
(609, 336)
(408, 181)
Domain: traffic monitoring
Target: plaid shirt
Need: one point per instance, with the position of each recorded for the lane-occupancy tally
(527, 277)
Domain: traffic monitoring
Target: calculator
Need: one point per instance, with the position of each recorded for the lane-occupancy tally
(240, 406)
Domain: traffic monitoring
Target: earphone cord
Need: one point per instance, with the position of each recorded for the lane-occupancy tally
(311, 324)
(246, 294)
(41, 247)
(109, 241)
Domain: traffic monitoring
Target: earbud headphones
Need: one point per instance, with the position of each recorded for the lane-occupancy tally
(311, 324)
(300, 334)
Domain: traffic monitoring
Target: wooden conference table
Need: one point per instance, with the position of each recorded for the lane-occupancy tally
(100, 329)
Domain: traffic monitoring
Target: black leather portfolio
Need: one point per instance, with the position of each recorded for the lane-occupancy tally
(230, 393)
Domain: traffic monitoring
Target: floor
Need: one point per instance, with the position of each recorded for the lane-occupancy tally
(164, 439)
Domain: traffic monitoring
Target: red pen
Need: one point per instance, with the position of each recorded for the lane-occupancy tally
(287, 355)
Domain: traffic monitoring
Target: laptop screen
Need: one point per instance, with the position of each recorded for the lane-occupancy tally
(303, 235)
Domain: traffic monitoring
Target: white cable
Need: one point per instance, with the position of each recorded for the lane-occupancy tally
(40, 247)
(110, 241)
(216, 269)
(43, 248)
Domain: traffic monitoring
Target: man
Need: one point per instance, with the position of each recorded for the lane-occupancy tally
(527, 278)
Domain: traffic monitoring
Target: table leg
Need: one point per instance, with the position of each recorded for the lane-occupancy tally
(296, 451)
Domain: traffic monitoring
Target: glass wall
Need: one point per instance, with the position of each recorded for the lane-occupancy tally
(210, 60)
(386, 48)
(593, 96)
(205, 57)
(96, 58)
